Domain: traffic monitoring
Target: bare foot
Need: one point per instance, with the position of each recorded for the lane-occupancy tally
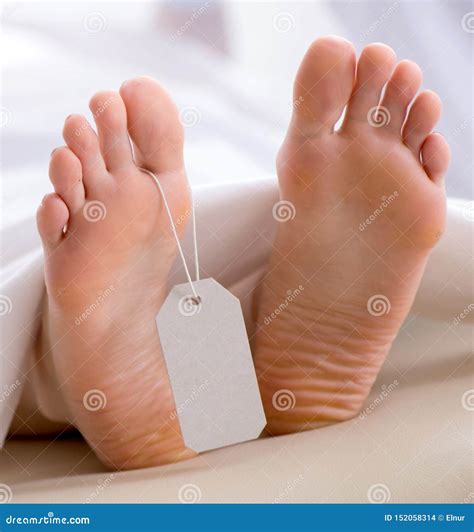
(364, 207)
(106, 274)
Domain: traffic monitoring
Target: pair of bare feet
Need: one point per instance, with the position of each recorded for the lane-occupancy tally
(369, 205)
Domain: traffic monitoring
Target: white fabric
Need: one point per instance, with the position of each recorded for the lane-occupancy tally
(243, 244)
(412, 441)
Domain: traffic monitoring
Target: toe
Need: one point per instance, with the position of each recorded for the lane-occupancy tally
(110, 117)
(65, 172)
(51, 218)
(323, 85)
(153, 125)
(83, 142)
(435, 156)
(422, 118)
(374, 68)
(400, 91)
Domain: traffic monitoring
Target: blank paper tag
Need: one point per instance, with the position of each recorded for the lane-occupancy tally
(210, 366)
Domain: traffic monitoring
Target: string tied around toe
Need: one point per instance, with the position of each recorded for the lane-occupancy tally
(175, 234)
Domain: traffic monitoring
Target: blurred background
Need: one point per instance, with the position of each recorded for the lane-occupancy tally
(229, 66)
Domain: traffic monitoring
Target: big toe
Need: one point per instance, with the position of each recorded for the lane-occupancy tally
(154, 125)
(323, 84)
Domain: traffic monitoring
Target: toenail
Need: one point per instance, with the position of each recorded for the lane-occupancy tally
(129, 82)
(53, 152)
(125, 84)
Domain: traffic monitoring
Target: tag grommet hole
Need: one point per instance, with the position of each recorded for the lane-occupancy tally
(189, 305)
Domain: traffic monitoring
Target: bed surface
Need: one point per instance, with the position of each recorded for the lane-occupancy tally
(413, 445)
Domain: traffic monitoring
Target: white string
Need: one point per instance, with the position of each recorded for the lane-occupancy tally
(175, 233)
(196, 255)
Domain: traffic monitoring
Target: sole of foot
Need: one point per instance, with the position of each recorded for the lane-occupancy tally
(108, 249)
(361, 208)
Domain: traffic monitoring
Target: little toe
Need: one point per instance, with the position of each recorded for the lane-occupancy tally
(51, 218)
(374, 68)
(153, 125)
(323, 85)
(422, 118)
(65, 173)
(399, 92)
(110, 117)
(435, 156)
(83, 142)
